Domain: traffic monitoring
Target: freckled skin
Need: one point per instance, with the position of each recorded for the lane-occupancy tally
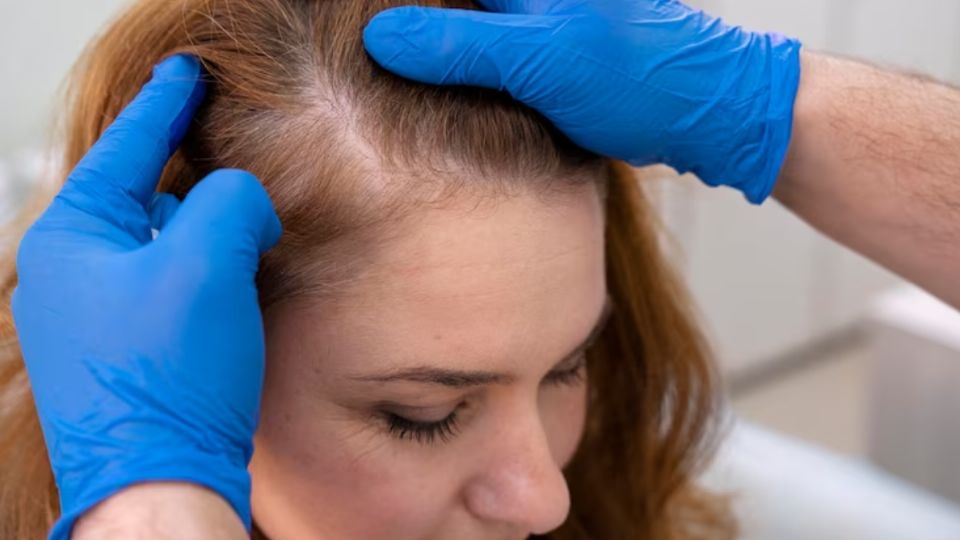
(511, 288)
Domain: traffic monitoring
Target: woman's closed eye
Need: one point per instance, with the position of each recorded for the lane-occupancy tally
(443, 430)
(570, 375)
(420, 431)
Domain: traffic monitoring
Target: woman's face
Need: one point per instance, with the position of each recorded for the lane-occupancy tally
(440, 393)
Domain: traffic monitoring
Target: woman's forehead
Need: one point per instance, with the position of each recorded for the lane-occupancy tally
(507, 246)
(526, 273)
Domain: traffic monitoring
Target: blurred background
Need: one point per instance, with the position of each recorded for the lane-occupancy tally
(818, 346)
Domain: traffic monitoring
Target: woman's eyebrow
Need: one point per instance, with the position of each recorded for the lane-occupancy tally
(466, 379)
(445, 377)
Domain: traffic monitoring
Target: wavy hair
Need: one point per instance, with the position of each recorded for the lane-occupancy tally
(341, 145)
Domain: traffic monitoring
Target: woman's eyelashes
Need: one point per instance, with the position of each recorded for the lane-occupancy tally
(571, 376)
(440, 431)
(422, 432)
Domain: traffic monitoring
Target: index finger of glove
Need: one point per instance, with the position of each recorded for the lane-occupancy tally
(131, 154)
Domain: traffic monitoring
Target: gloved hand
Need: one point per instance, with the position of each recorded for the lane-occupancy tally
(647, 81)
(146, 356)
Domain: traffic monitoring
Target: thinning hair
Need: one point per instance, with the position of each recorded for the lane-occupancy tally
(343, 146)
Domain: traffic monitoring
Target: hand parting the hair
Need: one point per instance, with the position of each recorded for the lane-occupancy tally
(646, 81)
(145, 356)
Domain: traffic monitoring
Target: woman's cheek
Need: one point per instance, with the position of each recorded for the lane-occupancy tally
(330, 477)
(564, 412)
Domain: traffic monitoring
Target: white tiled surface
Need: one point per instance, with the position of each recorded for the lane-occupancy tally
(781, 488)
(914, 381)
(825, 403)
(888, 396)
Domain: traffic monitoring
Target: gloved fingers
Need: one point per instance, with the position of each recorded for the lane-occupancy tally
(510, 6)
(161, 209)
(133, 151)
(530, 7)
(460, 47)
(228, 217)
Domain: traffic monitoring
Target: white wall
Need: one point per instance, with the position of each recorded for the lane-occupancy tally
(40, 40)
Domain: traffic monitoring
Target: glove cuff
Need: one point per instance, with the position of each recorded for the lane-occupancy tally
(743, 134)
(219, 473)
(777, 129)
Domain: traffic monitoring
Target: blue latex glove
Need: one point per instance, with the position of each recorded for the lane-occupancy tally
(146, 356)
(647, 81)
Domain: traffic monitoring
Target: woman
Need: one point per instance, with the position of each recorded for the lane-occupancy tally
(471, 331)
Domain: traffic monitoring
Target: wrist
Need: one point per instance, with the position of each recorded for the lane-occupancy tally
(812, 104)
(80, 491)
(160, 511)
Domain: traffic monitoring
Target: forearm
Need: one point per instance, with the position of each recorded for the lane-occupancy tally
(875, 164)
(162, 511)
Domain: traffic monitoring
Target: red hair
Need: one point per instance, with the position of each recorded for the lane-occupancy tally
(295, 99)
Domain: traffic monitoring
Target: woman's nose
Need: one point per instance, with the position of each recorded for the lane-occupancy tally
(522, 486)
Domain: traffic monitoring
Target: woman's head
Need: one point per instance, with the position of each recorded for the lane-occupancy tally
(471, 331)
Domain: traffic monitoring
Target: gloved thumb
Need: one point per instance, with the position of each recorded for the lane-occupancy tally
(227, 219)
(161, 209)
(460, 47)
